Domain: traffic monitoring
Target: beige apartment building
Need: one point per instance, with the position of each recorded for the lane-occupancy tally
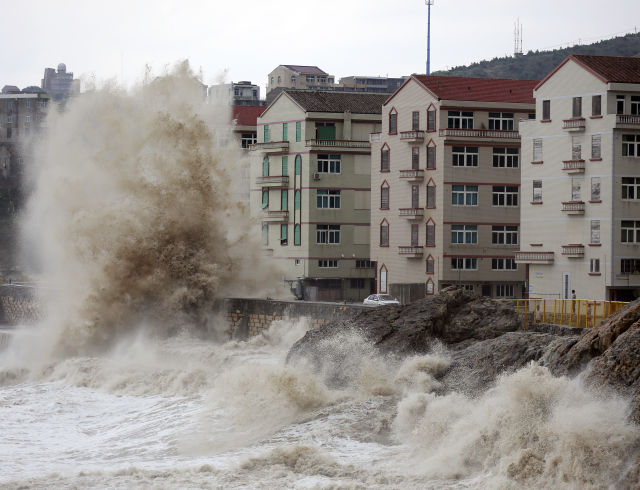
(311, 182)
(299, 77)
(581, 181)
(445, 186)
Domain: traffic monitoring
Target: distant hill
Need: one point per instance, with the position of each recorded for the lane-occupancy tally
(535, 65)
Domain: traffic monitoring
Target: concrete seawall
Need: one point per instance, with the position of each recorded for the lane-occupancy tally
(19, 304)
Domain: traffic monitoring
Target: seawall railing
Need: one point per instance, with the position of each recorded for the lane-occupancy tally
(583, 313)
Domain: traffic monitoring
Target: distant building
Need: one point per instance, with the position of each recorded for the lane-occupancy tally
(245, 119)
(379, 85)
(238, 93)
(60, 84)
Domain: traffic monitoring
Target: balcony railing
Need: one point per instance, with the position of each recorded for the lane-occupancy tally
(574, 250)
(573, 166)
(414, 136)
(411, 252)
(573, 124)
(270, 146)
(353, 144)
(412, 175)
(282, 216)
(627, 119)
(480, 133)
(411, 213)
(573, 207)
(273, 181)
(534, 257)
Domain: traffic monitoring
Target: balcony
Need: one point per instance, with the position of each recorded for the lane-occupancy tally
(414, 136)
(412, 175)
(276, 216)
(270, 146)
(573, 207)
(412, 213)
(411, 252)
(573, 166)
(339, 145)
(479, 133)
(573, 124)
(273, 181)
(534, 258)
(628, 121)
(573, 251)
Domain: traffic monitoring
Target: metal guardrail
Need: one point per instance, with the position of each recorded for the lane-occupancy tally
(627, 119)
(570, 312)
(479, 133)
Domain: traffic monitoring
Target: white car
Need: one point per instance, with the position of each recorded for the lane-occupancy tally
(381, 299)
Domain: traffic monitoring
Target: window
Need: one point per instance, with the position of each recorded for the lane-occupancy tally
(431, 157)
(415, 196)
(285, 165)
(631, 188)
(298, 131)
(285, 132)
(296, 235)
(504, 290)
(27, 120)
(384, 196)
(575, 189)
(298, 164)
(465, 156)
(431, 234)
(266, 133)
(310, 78)
(594, 266)
(383, 279)
(415, 231)
(431, 196)
(459, 263)
(415, 120)
(431, 120)
(635, 105)
(393, 122)
(9, 104)
(384, 159)
(265, 198)
(464, 195)
(505, 157)
(577, 107)
(460, 120)
(629, 266)
(595, 146)
(546, 110)
(328, 199)
(328, 234)
(328, 264)
(595, 231)
(297, 200)
(247, 139)
(537, 150)
(356, 283)
(279, 79)
(293, 79)
(328, 164)
(504, 235)
(595, 188)
(384, 234)
(504, 264)
(284, 231)
(27, 103)
(42, 103)
(502, 121)
(9, 119)
(284, 194)
(631, 145)
(619, 104)
(415, 158)
(576, 148)
(265, 234)
(505, 195)
(630, 232)
(429, 287)
(537, 191)
(430, 265)
(365, 264)
(322, 79)
(596, 105)
(464, 234)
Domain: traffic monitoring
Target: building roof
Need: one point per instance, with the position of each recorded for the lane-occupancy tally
(306, 70)
(325, 101)
(609, 69)
(478, 89)
(247, 115)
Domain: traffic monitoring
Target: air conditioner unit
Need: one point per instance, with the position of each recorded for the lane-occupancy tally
(316, 175)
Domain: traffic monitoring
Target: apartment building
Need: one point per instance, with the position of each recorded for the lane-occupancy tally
(297, 77)
(379, 85)
(445, 186)
(60, 84)
(310, 178)
(581, 181)
(238, 93)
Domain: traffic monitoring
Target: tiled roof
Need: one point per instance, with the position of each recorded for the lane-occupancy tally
(310, 70)
(479, 89)
(325, 101)
(247, 115)
(622, 69)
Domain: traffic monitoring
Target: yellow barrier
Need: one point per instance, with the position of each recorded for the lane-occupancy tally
(572, 312)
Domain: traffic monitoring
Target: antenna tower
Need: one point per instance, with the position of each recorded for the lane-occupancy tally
(517, 39)
(428, 3)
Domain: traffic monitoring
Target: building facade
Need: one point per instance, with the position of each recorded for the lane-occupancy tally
(299, 77)
(374, 85)
(581, 181)
(242, 93)
(445, 186)
(310, 179)
(60, 84)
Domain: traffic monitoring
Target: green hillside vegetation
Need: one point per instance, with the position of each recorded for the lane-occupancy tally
(535, 65)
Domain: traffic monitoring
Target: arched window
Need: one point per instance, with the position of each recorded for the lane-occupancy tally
(431, 233)
(384, 233)
(383, 279)
(296, 200)
(298, 165)
(431, 155)
(431, 194)
(430, 265)
(296, 235)
(393, 121)
(265, 167)
(384, 195)
(385, 156)
(429, 289)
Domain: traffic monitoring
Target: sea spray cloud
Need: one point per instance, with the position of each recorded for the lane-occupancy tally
(134, 211)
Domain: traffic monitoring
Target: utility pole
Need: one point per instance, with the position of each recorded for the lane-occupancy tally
(428, 3)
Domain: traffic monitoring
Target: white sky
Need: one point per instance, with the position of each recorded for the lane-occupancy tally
(247, 39)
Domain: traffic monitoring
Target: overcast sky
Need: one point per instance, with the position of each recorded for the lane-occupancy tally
(247, 39)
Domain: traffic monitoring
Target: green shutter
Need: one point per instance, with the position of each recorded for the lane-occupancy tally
(285, 132)
(326, 132)
(298, 131)
(265, 198)
(265, 167)
(283, 200)
(283, 232)
(266, 133)
(296, 235)
(296, 200)
(285, 165)
(298, 165)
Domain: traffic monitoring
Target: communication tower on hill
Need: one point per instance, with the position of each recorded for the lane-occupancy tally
(428, 3)
(517, 39)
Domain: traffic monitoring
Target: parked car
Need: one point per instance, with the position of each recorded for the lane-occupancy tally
(380, 299)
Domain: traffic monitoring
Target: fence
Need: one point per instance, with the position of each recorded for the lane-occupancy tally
(572, 312)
